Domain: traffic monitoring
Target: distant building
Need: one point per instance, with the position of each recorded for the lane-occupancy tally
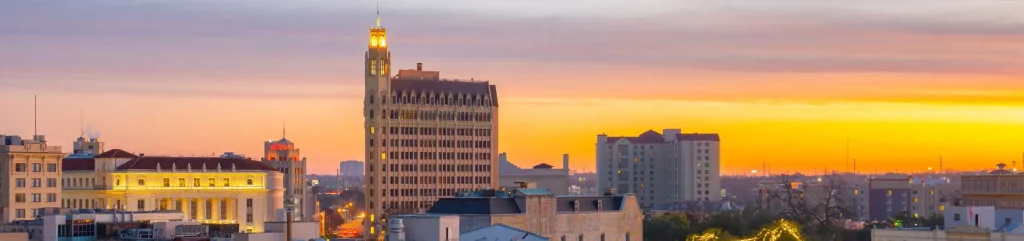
(888, 197)
(351, 168)
(538, 212)
(661, 167)
(285, 158)
(108, 224)
(1001, 188)
(556, 180)
(209, 190)
(30, 178)
(91, 146)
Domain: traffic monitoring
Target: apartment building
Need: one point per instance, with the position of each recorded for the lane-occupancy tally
(918, 197)
(426, 137)
(30, 186)
(661, 167)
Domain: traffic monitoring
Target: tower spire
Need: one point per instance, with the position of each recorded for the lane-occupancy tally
(378, 13)
(284, 129)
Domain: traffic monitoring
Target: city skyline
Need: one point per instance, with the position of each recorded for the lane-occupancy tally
(192, 77)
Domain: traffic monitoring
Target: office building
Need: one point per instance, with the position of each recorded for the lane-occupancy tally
(661, 167)
(1001, 188)
(351, 168)
(29, 177)
(285, 158)
(426, 137)
(206, 189)
(543, 175)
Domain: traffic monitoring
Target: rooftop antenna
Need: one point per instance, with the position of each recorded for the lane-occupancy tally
(847, 153)
(284, 129)
(35, 115)
(81, 123)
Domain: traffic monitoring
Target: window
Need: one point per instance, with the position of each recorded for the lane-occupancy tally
(167, 182)
(117, 182)
(20, 167)
(581, 237)
(563, 238)
(36, 167)
(1008, 220)
(51, 182)
(209, 209)
(195, 182)
(248, 202)
(248, 218)
(248, 181)
(142, 205)
(142, 182)
(956, 217)
(19, 197)
(37, 182)
(627, 236)
(20, 213)
(51, 167)
(213, 182)
(20, 182)
(227, 182)
(602, 237)
(181, 182)
(51, 197)
(36, 197)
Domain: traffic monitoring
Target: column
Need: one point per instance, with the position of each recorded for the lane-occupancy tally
(215, 209)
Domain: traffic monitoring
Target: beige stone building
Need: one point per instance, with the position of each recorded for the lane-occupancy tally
(298, 196)
(426, 137)
(29, 179)
(661, 167)
(609, 217)
(206, 189)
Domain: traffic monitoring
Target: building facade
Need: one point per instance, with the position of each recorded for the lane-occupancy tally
(30, 178)
(888, 197)
(426, 137)
(205, 189)
(544, 175)
(661, 167)
(285, 158)
(351, 168)
(609, 217)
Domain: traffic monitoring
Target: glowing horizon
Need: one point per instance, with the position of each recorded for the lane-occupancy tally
(787, 82)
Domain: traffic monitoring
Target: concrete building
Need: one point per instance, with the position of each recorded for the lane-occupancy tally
(426, 137)
(351, 168)
(206, 189)
(661, 167)
(1001, 188)
(285, 158)
(609, 217)
(424, 227)
(556, 180)
(91, 146)
(30, 187)
(276, 231)
(963, 233)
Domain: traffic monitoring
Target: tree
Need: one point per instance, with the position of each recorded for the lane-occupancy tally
(668, 227)
(820, 206)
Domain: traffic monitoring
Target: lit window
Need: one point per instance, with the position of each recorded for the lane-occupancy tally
(371, 130)
(248, 181)
(142, 182)
(167, 182)
(383, 156)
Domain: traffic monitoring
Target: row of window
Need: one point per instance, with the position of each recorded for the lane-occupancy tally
(434, 180)
(432, 143)
(182, 183)
(432, 168)
(36, 167)
(36, 197)
(36, 182)
(431, 131)
(405, 155)
(441, 99)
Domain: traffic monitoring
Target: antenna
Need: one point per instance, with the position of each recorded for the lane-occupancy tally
(35, 115)
(284, 129)
(81, 123)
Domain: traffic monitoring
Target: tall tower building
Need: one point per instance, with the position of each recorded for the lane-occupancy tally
(426, 137)
(283, 156)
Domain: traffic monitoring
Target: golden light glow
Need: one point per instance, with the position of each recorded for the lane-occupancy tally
(383, 156)
(371, 130)
(782, 227)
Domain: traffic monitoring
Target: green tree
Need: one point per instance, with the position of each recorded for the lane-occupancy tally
(668, 227)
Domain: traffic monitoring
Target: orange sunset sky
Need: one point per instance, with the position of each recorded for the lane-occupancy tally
(785, 82)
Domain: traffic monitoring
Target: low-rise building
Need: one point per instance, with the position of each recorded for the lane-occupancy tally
(609, 217)
(206, 189)
(544, 175)
(104, 224)
(30, 178)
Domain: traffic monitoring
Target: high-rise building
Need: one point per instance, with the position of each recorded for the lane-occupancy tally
(283, 156)
(30, 180)
(426, 137)
(661, 167)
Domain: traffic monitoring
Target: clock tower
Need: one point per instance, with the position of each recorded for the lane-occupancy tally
(377, 63)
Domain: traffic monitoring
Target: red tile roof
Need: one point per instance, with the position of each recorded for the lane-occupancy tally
(78, 164)
(165, 163)
(115, 153)
(697, 137)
